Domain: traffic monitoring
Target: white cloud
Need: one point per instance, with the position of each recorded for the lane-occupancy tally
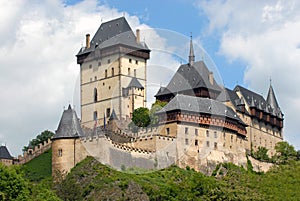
(265, 34)
(38, 66)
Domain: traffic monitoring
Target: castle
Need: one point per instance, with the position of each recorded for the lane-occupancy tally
(202, 124)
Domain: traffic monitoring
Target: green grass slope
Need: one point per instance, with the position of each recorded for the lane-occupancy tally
(90, 180)
(39, 168)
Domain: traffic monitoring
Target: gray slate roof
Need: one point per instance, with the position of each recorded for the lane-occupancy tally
(255, 100)
(271, 99)
(190, 77)
(230, 95)
(199, 105)
(113, 116)
(69, 126)
(135, 83)
(4, 153)
(111, 33)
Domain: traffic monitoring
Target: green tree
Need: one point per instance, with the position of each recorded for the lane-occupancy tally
(284, 152)
(261, 154)
(140, 117)
(41, 138)
(158, 105)
(12, 185)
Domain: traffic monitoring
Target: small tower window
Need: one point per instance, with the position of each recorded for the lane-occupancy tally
(168, 131)
(136, 62)
(196, 142)
(215, 145)
(105, 73)
(207, 143)
(95, 78)
(59, 152)
(186, 141)
(112, 71)
(95, 115)
(186, 130)
(216, 134)
(130, 60)
(128, 71)
(95, 95)
(134, 72)
(107, 112)
(207, 133)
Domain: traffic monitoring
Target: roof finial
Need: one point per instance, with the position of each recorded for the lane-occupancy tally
(270, 81)
(191, 55)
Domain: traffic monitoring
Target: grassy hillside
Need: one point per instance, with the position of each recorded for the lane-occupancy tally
(90, 180)
(39, 168)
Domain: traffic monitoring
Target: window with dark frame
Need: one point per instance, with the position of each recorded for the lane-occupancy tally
(107, 112)
(95, 95)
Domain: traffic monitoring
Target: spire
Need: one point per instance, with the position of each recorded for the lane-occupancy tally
(191, 55)
(271, 99)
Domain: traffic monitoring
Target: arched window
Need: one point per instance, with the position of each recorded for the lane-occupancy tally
(95, 95)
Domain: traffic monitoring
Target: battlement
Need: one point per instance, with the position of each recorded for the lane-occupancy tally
(34, 152)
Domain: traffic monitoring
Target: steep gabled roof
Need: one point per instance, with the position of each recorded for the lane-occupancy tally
(258, 100)
(4, 153)
(69, 126)
(135, 83)
(199, 105)
(111, 33)
(190, 77)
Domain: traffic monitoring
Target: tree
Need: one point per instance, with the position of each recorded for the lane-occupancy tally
(158, 105)
(284, 152)
(261, 154)
(41, 138)
(12, 185)
(140, 117)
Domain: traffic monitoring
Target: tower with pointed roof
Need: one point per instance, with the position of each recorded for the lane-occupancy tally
(112, 73)
(67, 150)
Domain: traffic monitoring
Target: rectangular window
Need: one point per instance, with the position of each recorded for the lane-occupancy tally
(207, 133)
(186, 141)
(215, 145)
(134, 71)
(95, 116)
(136, 62)
(105, 73)
(168, 131)
(196, 131)
(196, 142)
(60, 153)
(216, 134)
(112, 71)
(207, 143)
(108, 112)
(128, 71)
(130, 60)
(186, 130)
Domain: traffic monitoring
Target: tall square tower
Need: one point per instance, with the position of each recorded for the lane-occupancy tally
(113, 68)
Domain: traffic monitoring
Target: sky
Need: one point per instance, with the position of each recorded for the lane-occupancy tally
(246, 42)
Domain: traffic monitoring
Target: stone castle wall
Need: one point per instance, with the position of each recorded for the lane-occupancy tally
(34, 152)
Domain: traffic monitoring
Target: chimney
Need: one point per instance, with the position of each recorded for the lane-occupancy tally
(87, 41)
(138, 39)
(211, 77)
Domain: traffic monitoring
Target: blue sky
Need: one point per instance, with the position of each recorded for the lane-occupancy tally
(249, 41)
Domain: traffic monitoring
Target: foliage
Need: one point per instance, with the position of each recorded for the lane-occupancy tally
(39, 168)
(261, 154)
(41, 138)
(158, 105)
(12, 185)
(140, 117)
(284, 153)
